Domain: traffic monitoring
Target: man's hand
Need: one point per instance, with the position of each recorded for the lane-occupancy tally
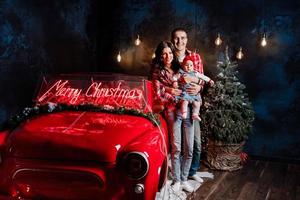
(193, 89)
(211, 83)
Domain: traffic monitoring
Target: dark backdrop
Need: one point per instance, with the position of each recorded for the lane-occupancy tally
(70, 36)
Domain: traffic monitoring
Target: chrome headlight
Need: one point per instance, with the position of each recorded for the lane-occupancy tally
(136, 165)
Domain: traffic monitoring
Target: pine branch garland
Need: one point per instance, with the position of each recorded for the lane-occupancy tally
(30, 112)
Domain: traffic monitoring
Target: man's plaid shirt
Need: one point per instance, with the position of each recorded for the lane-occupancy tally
(198, 65)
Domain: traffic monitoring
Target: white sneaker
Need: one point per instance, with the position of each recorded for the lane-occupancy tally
(186, 186)
(176, 187)
(196, 178)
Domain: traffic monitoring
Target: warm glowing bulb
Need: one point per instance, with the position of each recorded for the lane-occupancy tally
(137, 42)
(153, 55)
(218, 40)
(240, 54)
(263, 42)
(119, 57)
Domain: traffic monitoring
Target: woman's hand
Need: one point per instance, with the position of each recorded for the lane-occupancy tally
(193, 89)
(174, 91)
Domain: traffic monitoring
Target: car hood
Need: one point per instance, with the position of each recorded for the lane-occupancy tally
(89, 136)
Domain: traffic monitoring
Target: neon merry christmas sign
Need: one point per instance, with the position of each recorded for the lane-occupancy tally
(113, 93)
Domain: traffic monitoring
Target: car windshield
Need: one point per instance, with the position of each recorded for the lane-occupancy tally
(109, 90)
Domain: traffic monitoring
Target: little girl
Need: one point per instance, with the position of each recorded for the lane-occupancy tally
(178, 82)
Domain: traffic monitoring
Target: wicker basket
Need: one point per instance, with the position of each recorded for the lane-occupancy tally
(224, 156)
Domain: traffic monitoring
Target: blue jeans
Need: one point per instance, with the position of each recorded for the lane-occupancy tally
(197, 149)
(181, 167)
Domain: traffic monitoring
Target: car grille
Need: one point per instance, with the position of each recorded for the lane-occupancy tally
(56, 184)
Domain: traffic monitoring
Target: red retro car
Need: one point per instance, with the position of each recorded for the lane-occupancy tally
(86, 137)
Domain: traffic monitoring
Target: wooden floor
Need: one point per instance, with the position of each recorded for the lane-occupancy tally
(258, 180)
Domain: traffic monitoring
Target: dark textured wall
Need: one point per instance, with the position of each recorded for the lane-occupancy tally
(40, 37)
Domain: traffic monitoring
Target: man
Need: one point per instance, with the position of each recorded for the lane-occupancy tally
(179, 39)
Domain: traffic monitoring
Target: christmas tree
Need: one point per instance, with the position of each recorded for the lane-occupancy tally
(227, 117)
(227, 113)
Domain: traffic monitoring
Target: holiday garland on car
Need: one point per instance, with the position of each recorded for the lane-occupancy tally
(30, 112)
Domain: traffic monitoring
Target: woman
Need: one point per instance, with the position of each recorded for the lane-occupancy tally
(164, 66)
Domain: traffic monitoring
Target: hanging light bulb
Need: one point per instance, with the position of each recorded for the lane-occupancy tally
(218, 40)
(263, 42)
(119, 57)
(153, 55)
(240, 54)
(137, 42)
